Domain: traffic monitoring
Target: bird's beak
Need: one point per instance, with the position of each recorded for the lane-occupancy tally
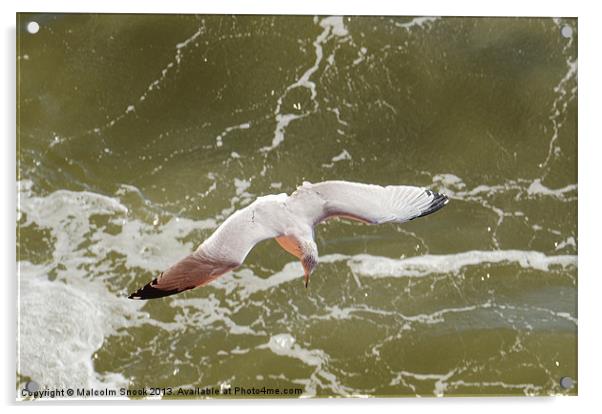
(306, 278)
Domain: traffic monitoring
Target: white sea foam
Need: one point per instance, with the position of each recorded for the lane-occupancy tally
(67, 213)
(537, 188)
(241, 186)
(564, 96)
(282, 121)
(337, 113)
(77, 312)
(286, 345)
(343, 156)
(450, 181)
(569, 241)
(361, 56)
(62, 324)
(417, 22)
(336, 24)
(453, 185)
(526, 388)
(61, 210)
(246, 283)
(149, 250)
(155, 84)
(421, 266)
(219, 141)
(333, 26)
(206, 312)
(445, 382)
(440, 381)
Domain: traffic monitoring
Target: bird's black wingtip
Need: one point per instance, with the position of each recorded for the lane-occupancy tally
(149, 291)
(439, 201)
(135, 295)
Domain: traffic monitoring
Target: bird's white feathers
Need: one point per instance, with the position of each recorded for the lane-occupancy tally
(295, 216)
(248, 226)
(291, 220)
(369, 203)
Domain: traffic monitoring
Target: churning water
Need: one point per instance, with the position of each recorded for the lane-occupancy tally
(139, 134)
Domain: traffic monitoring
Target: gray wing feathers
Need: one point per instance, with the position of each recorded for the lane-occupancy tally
(223, 251)
(290, 219)
(235, 238)
(373, 203)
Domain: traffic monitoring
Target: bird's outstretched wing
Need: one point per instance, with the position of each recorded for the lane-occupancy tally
(367, 203)
(223, 251)
(192, 271)
(228, 246)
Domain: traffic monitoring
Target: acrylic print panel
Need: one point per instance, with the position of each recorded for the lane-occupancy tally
(139, 135)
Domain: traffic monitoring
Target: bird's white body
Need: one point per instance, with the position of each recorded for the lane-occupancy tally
(291, 221)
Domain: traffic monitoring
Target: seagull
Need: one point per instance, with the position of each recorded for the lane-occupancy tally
(291, 221)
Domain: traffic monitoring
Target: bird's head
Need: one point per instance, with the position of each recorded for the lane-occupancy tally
(309, 259)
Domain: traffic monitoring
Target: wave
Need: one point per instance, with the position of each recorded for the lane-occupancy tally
(75, 313)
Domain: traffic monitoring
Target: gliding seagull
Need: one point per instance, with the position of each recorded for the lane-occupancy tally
(291, 221)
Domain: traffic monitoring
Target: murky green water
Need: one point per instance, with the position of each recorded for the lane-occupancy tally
(138, 135)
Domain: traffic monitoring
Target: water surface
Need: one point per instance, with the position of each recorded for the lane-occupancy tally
(139, 134)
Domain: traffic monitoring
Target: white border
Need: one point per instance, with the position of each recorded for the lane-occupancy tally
(590, 201)
(551, 8)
